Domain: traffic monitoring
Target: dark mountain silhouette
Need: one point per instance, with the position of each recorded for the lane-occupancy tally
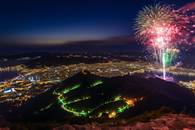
(116, 44)
(156, 93)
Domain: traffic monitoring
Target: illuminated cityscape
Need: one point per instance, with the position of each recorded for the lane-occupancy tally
(33, 81)
(97, 65)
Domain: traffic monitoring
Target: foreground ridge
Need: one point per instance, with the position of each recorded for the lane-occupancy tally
(166, 122)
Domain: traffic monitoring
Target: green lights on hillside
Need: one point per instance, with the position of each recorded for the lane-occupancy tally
(123, 108)
(86, 111)
(96, 83)
(67, 90)
(47, 107)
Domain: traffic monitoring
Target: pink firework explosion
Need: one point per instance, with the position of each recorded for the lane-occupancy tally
(162, 26)
(162, 35)
(162, 29)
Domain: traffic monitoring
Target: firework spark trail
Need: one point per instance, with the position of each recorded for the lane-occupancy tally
(155, 27)
(162, 29)
(186, 20)
(187, 7)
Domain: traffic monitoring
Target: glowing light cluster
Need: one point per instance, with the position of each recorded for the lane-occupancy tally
(112, 114)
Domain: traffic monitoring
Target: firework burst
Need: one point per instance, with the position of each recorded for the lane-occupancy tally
(156, 28)
(149, 17)
(162, 29)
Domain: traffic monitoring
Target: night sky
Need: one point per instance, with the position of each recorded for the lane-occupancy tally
(49, 22)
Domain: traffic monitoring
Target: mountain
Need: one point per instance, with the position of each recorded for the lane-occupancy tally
(87, 96)
(116, 44)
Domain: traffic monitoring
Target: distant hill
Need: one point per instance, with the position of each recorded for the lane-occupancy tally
(118, 44)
